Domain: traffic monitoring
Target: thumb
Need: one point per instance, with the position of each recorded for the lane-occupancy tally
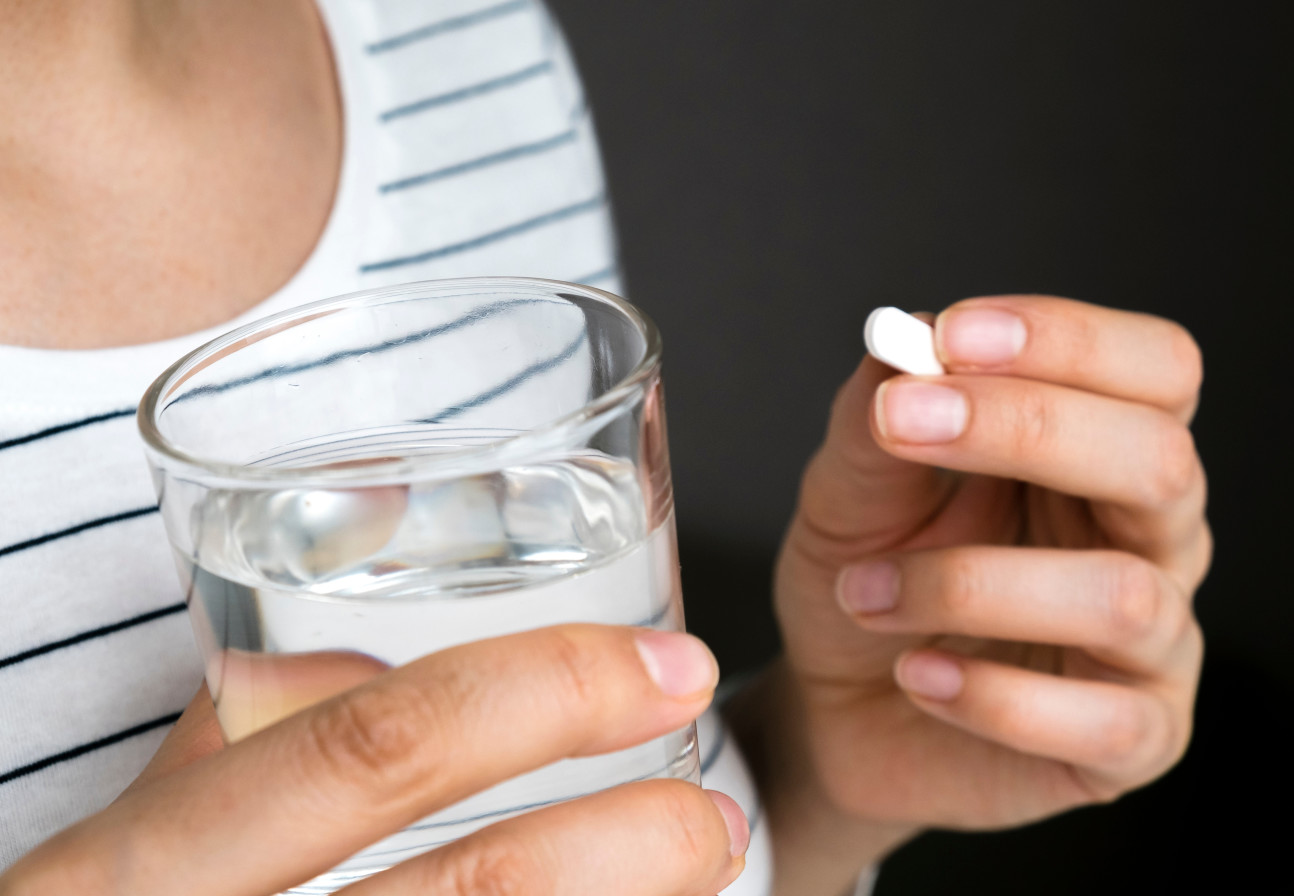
(855, 495)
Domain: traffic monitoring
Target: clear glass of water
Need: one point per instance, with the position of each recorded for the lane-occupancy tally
(362, 481)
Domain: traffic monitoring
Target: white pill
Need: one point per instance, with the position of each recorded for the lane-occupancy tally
(902, 341)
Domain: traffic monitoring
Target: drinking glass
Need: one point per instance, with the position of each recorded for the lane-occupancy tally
(365, 480)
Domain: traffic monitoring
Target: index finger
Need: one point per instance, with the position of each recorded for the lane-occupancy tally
(293, 800)
(1123, 354)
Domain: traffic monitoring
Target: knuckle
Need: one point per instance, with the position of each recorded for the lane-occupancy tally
(1175, 467)
(577, 669)
(1032, 424)
(1201, 559)
(1187, 359)
(1177, 737)
(1178, 624)
(1168, 732)
(1081, 345)
(1193, 636)
(372, 740)
(1012, 719)
(494, 867)
(1096, 789)
(962, 587)
(1134, 600)
(1126, 736)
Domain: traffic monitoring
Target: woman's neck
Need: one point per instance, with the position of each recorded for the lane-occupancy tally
(163, 165)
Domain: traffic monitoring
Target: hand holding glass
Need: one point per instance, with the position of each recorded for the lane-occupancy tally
(362, 481)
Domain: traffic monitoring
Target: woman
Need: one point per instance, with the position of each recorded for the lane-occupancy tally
(166, 167)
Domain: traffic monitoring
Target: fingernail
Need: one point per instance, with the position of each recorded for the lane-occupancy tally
(680, 664)
(870, 588)
(919, 412)
(930, 675)
(984, 337)
(735, 819)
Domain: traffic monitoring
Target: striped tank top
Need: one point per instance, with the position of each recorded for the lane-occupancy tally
(468, 150)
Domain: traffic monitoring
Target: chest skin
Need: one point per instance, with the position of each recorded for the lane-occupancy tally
(166, 177)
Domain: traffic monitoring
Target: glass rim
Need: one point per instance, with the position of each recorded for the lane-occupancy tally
(531, 442)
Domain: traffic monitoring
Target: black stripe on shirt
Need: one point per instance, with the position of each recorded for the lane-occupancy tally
(456, 23)
(485, 239)
(73, 530)
(470, 92)
(508, 385)
(471, 318)
(91, 634)
(507, 155)
(134, 731)
(65, 427)
(653, 620)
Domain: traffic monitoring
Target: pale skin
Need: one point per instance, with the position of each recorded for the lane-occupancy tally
(986, 604)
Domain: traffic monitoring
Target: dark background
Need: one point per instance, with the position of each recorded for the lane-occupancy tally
(778, 169)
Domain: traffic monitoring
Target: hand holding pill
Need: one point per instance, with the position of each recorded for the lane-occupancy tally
(985, 594)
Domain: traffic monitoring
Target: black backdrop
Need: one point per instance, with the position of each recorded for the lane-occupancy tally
(780, 168)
